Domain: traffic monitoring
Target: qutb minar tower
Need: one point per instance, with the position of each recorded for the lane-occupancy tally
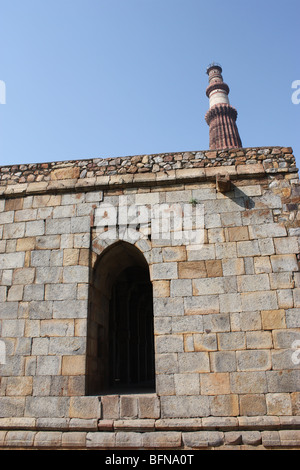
(221, 116)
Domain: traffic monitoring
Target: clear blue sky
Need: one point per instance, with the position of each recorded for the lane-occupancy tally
(109, 78)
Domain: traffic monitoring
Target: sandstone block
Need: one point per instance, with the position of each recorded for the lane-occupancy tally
(80, 224)
(13, 328)
(187, 384)
(224, 406)
(187, 324)
(60, 291)
(168, 307)
(162, 440)
(267, 231)
(201, 252)
(3, 293)
(281, 280)
(6, 217)
(161, 288)
(40, 310)
(270, 438)
(193, 362)
(26, 244)
(252, 438)
(128, 407)
(48, 365)
(279, 404)
(232, 340)
(262, 265)
(73, 365)
(169, 343)
(47, 407)
(184, 406)
(48, 242)
(286, 245)
(289, 438)
(253, 360)
(23, 276)
(19, 386)
(101, 440)
(33, 292)
(285, 298)
(19, 438)
(248, 382)
(237, 233)
(248, 248)
(57, 328)
(263, 300)
(259, 340)
(149, 407)
(223, 361)
(202, 439)
(283, 381)
(216, 235)
(15, 293)
(49, 275)
(216, 322)
(12, 406)
(73, 439)
(230, 303)
(215, 384)
(40, 258)
(251, 283)
(69, 309)
(296, 297)
(166, 363)
(34, 228)
(110, 405)
(181, 287)
(58, 226)
(12, 260)
(84, 407)
(208, 286)
(232, 438)
(281, 263)
(177, 253)
(233, 266)
(293, 318)
(201, 305)
(65, 173)
(25, 215)
(226, 250)
(205, 342)
(47, 439)
(164, 271)
(129, 440)
(214, 268)
(266, 246)
(191, 269)
(165, 385)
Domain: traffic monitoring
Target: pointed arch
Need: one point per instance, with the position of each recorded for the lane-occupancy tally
(120, 352)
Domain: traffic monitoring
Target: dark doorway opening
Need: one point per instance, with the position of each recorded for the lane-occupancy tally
(121, 352)
(131, 332)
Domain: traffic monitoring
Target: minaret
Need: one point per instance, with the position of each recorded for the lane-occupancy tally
(221, 117)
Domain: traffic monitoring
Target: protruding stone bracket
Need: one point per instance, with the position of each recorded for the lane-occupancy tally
(223, 183)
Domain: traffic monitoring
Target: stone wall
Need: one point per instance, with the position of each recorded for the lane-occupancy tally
(226, 312)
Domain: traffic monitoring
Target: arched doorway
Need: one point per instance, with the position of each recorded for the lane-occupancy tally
(120, 327)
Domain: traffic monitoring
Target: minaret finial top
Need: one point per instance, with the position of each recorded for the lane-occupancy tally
(213, 65)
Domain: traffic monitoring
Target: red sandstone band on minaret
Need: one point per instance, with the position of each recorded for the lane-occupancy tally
(221, 116)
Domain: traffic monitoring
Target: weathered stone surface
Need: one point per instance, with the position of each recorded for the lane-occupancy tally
(184, 406)
(226, 311)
